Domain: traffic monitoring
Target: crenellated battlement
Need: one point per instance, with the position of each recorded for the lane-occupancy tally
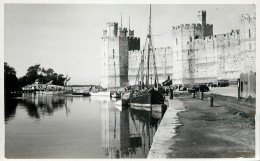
(112, 24)
(111, 30)
(163, 49)
(133, 38)
(122, 32)
(133, 43)
(233, 34)
(166, 49)
(191, 26)
(131, 33)
(247, 18)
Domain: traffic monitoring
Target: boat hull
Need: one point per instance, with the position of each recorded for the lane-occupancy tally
(121, 103)
(107, 94)
(116, 95)
(147, 100)
(77, 94)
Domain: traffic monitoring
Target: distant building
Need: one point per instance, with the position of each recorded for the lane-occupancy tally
(196, 55)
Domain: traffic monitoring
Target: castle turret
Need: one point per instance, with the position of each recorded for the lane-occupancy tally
(111, 30)
(202, 17)
(248, 42)
(115, 47)
(183, 35)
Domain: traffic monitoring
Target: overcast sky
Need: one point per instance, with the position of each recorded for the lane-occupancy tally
(67, 38)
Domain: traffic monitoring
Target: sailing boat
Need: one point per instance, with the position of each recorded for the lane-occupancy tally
(116, 94)
(146, 95)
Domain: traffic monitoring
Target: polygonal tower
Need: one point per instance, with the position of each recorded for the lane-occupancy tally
(248, 43)
(114, 51)
(183, 35)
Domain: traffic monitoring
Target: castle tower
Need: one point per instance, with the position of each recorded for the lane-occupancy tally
(248, 45)
(184, 67)
(202, 17)
(114, 51)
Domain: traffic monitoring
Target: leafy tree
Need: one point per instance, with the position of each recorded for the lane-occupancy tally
(23, 81)
(33, 73)
(10, 79)
(42, 75)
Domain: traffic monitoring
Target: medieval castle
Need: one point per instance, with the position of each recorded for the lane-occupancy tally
(196, 55)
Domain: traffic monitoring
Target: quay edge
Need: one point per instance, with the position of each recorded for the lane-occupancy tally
(166, 130)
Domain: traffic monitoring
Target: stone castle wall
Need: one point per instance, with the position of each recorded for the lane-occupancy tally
(247, 43)
(163, 57)
(196, 55)
(213, 57)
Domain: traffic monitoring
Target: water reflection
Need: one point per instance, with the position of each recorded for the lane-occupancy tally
(94, 123)
(127, 134)
(10, 108)
(37, 106)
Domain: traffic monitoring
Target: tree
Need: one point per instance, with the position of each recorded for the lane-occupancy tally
(42, 75)
(10, 79)
(23, 81)
(33, 73)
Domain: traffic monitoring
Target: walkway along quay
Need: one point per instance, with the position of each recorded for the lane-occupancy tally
(191, 128)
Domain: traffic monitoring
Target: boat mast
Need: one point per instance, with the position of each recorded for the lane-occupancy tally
(149, 47)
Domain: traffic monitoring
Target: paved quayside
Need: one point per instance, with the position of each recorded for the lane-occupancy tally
(164, 134)
(226, 130)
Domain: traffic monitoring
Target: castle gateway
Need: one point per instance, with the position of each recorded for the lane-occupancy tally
(196, 55)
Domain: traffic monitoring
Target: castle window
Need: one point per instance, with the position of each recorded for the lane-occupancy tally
(113, 55)
(113, 51)
(249, 33)
(114, 63)
(176, 41)
(196, 37)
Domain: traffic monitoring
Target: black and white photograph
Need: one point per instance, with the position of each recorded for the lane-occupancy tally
(129, 80)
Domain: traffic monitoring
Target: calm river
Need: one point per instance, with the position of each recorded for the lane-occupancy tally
(38, 126)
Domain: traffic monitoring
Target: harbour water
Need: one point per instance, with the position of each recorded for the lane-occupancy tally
(46, 126)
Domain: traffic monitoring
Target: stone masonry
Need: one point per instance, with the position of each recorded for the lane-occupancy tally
(201, 57)
(115, 48)
(196, 55)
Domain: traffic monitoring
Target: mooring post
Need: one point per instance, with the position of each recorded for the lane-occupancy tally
(210, 100)
(201, 95)
(171, 94)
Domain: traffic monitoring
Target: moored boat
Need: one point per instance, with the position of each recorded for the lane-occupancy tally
(145, 96)
(121, 105)
(77, 92)
(68, 93)
(106, 94)
(116, 95)
(86, 94)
